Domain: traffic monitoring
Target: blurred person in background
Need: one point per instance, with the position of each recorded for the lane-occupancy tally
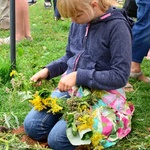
(4, 14)
(47, 4)
(22, 22)
(139, 9)
(141, 39)
(31, 2)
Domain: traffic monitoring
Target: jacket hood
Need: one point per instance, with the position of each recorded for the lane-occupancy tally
(113, 14)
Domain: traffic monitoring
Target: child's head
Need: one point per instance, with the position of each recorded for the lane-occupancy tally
(74, 8)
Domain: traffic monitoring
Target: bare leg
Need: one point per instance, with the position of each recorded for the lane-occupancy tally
(135, 67)
(22, 20)
(19, 20)
(26, 19)
(148, 55)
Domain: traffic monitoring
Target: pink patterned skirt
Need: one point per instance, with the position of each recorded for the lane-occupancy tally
(113, 115)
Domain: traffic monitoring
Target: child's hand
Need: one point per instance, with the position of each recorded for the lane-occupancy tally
(67, 82)
(39, 76)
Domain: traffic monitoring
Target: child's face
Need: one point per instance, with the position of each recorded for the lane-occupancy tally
(82, 17)
(87, 15)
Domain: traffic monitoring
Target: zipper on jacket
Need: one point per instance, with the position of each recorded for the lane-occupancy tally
(84, 44)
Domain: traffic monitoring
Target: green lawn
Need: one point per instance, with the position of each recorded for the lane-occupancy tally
(50, 38)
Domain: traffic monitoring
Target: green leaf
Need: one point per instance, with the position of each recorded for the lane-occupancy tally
(76, 140)
(87, 135)
(44, 93)
(74, 129)
(84, 132)
(69, 117)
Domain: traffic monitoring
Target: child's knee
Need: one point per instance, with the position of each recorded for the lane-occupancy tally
(33, 129)
(29, 127)
(59, 142)
(54, 142)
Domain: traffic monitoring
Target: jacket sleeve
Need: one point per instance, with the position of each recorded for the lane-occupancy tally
(59, 66)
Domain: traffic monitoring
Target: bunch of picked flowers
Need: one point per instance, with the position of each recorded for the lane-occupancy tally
(77, 112)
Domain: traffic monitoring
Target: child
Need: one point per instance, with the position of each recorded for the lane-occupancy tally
(98, 57)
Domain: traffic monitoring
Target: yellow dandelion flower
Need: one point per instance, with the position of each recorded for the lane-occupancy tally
(55, 108)
(36, 94)
(14, 72)
(37, 102)
(96, 138)
(98, 93)
(82, 127)
(40, 107)
(80, 119)
(85, 122)
(47, 102)
(99, 147)
(84, 107)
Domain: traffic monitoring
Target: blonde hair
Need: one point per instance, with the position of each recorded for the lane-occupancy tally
(70, 8)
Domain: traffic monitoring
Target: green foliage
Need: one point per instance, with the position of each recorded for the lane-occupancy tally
(4, 71)
(12, 142)
(49, 43)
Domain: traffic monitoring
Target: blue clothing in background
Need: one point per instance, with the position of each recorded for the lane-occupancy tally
(141, 31)
(56, 12)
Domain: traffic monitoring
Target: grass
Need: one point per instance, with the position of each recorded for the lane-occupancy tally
(50, 38)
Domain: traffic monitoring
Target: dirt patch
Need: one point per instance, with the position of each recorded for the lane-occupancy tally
(3, 129)
(24, 138)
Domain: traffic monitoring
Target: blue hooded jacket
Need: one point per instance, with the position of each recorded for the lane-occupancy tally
(99, 51)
